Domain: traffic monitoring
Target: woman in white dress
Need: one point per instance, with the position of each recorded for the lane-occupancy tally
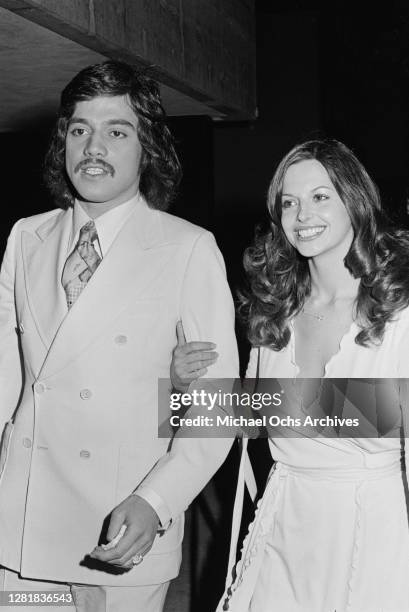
(328, 298)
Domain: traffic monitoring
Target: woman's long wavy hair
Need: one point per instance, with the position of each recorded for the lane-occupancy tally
(278, 276)
(160, 170)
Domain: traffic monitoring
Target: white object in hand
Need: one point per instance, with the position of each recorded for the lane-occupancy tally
(114, 540)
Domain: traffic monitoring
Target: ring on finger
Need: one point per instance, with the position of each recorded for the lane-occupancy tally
(137, 559)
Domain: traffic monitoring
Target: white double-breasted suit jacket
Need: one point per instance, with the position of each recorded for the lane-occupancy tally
(79, 389)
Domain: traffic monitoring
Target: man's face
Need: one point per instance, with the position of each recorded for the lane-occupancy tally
(103, 152)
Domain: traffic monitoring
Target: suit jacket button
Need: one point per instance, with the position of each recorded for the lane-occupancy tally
(39, 388)
(21, 328)
(26, 442)
(85, 394)
(121, 339)
(84, 454)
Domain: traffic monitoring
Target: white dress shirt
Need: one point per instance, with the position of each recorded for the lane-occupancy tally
(107, 225)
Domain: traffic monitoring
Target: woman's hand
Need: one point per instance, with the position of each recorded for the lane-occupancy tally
(190, 360)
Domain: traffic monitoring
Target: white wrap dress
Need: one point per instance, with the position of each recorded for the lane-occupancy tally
(331, 531)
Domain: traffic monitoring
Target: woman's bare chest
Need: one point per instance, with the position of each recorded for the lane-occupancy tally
(317, 339)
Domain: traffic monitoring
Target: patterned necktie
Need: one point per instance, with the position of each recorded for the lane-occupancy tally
(81, 264)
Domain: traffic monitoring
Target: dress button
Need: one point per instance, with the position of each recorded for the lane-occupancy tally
(84, 454)
(26, 442)
(85, 394)
(39, 388)
(121, 339)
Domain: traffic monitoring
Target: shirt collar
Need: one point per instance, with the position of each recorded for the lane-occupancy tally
(107, 225)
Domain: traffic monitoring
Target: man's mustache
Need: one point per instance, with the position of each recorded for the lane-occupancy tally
(94, 163)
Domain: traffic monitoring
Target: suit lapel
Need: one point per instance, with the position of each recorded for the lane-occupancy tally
(44, 256)
(124, 274)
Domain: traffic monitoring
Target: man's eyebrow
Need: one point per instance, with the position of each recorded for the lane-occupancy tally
(123, 122)
(78, 120)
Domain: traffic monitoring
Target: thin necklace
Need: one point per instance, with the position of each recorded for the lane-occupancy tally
(315, 315)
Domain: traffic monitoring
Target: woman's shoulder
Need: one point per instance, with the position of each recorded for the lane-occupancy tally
(398, 327)
(397, 340)
(401, 318)
(265, 362)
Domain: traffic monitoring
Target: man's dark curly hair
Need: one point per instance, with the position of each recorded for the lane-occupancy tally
(160, 170)
(279, 278)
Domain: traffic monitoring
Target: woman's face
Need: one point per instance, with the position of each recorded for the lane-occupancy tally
(314, 218)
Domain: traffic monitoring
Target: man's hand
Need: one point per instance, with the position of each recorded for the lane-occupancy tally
(189, 360)
(141, 523)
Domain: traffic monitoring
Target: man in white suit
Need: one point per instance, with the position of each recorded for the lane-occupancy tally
(91, 500)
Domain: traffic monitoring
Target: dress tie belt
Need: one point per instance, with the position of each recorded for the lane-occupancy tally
(343, 474)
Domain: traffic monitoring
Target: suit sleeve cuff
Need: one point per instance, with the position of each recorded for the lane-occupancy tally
(157, 503)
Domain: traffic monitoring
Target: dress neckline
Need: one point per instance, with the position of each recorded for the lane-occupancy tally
(343, 341)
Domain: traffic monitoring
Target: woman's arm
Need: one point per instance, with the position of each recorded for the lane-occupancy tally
(190, 360)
